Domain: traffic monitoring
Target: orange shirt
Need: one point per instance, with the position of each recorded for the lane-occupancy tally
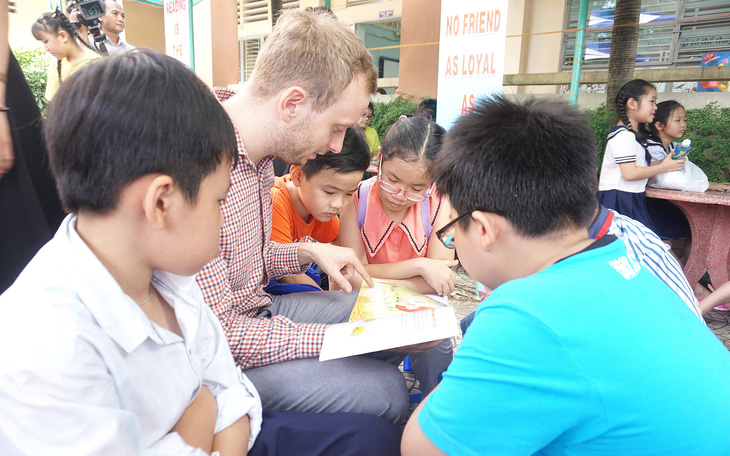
(386, 241)
(287, 226)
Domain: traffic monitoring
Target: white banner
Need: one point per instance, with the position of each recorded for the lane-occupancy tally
(471, 54)
(177, 30)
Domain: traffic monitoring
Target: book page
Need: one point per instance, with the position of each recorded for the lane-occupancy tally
(407, 328)
(387, 298)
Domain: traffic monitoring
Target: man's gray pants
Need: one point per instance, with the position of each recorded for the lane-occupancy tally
(370, 384)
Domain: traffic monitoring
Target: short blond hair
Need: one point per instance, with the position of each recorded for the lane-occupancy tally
(312, 49)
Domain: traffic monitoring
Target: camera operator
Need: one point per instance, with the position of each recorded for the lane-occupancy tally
(112, 25)
(99, 24)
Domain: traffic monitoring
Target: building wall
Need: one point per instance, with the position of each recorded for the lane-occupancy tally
(144, 25)
(526, 53)
(514, 42)
(224, 48)
(528, 48)
(541, 53)
(19, 29)
(216, 43)
(203, 38)
(420, 26)
(368, 12)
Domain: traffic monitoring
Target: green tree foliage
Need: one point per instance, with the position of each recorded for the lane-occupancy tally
(385, 114)
(708, 128)
(601, 120)
(34, 63)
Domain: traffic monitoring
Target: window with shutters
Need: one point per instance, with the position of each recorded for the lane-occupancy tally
(258, 10)
(252, 11)
(248, 51)
(286, 4)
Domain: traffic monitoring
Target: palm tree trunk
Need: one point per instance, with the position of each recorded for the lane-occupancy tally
(624, 42)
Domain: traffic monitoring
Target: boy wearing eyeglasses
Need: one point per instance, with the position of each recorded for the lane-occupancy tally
(569, 354)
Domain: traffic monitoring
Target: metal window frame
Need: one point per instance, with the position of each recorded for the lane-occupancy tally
(244, 72)
(681, 24)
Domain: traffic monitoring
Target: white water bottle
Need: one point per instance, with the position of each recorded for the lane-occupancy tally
(682, 150)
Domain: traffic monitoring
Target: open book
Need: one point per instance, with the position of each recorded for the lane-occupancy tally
(389, 316)
(386, 299)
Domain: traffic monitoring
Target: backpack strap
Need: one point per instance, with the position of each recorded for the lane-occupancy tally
(426, 217)
(362, 206)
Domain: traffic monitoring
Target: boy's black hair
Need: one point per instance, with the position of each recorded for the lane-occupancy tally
(355, 156)
(413, 139)
(130, 115)
(636, 89)
(426, 108)
(370, 106)
(532, 162)
(663, 112)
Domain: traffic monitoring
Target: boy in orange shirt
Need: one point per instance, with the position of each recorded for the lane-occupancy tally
(307, 202)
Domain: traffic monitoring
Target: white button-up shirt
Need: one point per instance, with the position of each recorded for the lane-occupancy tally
(84, 371)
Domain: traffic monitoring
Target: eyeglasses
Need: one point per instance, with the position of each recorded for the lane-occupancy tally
(394, 190)
(448, 241)
(367, 116)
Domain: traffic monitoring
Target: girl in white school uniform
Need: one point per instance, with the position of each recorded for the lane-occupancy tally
(627, 164)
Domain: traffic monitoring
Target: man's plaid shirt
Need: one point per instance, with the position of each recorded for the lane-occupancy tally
(233, 283)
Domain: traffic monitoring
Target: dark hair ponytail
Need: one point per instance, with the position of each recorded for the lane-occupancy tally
(635, 89)
(53, 23)
(413, 139)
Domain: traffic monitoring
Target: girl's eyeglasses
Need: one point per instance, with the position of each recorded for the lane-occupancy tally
(394, 190)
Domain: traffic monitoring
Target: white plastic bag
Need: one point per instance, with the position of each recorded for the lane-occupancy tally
(688, 179)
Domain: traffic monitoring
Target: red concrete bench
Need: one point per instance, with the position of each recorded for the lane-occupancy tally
(708, 215)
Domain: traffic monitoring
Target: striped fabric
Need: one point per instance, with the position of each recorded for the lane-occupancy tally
(233, 283)
(624, 155)
(646, 248)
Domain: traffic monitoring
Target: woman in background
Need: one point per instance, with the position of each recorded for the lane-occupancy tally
(30, 211)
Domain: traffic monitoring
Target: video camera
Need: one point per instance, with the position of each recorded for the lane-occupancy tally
(88, 13)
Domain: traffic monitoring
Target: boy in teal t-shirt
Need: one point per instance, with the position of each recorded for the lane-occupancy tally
(569, 355)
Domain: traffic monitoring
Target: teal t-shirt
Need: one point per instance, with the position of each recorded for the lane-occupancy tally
(591, 356)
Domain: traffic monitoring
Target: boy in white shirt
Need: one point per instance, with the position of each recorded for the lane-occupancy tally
(110, 342)
(107, 345)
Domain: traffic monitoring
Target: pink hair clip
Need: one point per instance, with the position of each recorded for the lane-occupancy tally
(403, 116)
